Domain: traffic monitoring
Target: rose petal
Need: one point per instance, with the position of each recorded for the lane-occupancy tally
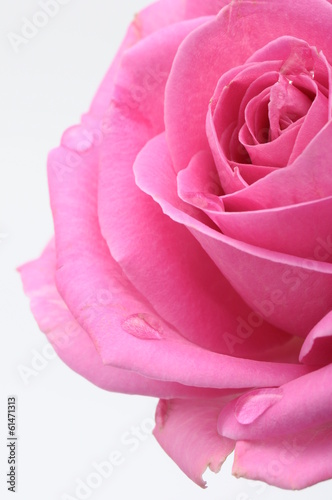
(293, 463)
(187, 432)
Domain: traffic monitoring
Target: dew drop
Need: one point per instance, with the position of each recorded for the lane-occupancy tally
(77, 139)
(205, 201)
(143, 326)
(251, 406)
(312, 73)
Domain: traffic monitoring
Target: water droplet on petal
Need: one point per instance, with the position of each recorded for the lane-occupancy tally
(77, 139)
(251, 406)
(312, 73)
(143, 326)
(205, 201)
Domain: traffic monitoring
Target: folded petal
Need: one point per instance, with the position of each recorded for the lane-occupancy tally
(317, 348)
(268, 413)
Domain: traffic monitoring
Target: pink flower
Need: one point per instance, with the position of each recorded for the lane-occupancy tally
(193, 240)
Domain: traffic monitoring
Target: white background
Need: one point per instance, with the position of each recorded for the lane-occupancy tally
(64, 422)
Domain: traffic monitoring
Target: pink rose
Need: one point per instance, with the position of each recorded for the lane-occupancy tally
(193, 238)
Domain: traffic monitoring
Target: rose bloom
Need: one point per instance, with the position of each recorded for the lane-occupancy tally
(192, 258)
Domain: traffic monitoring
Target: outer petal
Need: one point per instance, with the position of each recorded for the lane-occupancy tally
(187, 432)
(296, 462)
(290, 292)
(150, 19)
(244, 27)
(74, 346)
(154, 17)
